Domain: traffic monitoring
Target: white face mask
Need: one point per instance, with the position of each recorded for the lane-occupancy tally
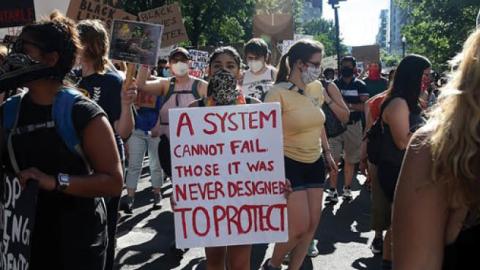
(311, 74)
(256, 65)
(180, 68)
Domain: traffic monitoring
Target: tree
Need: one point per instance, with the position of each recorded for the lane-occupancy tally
(324, 31)
(437, 29)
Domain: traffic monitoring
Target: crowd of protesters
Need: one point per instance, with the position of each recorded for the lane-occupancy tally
(413, 134)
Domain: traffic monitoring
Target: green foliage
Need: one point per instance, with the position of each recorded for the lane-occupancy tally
(438, 28)
(389, 60)
(324, 31)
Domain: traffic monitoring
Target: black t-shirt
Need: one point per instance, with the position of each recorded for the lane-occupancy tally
(105, 90)
(351, 93)
(63, 222)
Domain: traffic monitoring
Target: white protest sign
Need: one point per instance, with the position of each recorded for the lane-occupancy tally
(228, 175)
(199, 63)
(286, 44)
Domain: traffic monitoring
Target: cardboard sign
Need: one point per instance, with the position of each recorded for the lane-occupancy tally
(170, 16)
(367, 54)
(90, 9)
(17, 220)
(16, 12)
(228, 175)
(135, 42)
(276, 26)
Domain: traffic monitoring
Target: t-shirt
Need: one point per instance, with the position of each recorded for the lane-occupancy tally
(257, 86)
(146, 118)
(302, 119)
(351, 93)
(62, 222)
(105, 90)
(375, 87)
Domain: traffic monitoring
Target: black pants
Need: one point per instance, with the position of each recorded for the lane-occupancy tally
(112, 219)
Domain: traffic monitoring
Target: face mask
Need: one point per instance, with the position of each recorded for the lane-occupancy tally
(425, 83)
(255, 65)
(180, 68)
(222, 86)
(311, 74)
(347, 72)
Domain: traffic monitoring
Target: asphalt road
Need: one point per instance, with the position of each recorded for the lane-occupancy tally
(145, 238)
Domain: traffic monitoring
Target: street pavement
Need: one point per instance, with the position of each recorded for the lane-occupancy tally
(145, 238)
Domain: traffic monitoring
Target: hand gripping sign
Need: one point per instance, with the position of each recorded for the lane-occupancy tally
(228, 175)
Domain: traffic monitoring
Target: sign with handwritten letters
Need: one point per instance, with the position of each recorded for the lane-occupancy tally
(17, 219)
(228, 175)
(171, 17)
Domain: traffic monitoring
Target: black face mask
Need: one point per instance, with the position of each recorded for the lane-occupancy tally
(347, 72)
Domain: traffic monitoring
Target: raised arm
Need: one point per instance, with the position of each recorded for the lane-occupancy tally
(158, 87)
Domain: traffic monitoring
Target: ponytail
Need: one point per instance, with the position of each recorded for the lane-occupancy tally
(283, 70)
(301, 50)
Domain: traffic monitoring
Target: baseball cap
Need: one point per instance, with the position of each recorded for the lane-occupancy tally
(180, 50)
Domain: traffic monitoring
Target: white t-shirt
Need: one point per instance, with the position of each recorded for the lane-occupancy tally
(257, 86)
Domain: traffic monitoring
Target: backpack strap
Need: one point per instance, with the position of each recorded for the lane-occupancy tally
(195, 88)
(171, 90)
(11, 113)
(62, 115)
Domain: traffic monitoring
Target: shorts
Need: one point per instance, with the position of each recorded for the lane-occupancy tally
(305, 175)
(381, 211)
(349, 141)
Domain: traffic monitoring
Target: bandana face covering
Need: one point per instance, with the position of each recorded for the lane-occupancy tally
(222, 88)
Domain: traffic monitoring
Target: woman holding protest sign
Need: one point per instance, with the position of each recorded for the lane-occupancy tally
(62, 141)
(301, 98)
(224, 71)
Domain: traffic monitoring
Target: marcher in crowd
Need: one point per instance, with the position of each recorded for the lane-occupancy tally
(70, 230)
(300, 95)
(436, 222)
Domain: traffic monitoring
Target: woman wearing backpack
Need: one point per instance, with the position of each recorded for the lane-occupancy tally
(436, 211)
(300, 95)
(178, 92)
(70, 230)
(401, 115)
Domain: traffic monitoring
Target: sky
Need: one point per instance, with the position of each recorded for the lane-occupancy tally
(359, 20)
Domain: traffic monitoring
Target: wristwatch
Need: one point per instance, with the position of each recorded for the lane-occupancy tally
(63, 181)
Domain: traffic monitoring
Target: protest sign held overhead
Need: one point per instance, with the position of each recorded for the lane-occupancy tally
(135, 42)
(228, 175)
(16, 12)
(199, 63)
(170, 16)
(276, 26)
(91, 9)
(17, 219)
(367, 54)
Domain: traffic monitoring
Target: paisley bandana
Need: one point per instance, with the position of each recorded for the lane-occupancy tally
(222, 89)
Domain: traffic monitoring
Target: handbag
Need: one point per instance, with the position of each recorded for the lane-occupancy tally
(333, 126)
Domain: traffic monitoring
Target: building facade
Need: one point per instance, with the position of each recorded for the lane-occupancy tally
(398, 18)
(382, 38)
(312, 9)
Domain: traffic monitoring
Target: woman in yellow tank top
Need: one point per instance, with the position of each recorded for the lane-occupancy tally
(300, 95)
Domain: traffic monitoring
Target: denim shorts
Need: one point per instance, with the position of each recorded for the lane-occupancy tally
(305, 175)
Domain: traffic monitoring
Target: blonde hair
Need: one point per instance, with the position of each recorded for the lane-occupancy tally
(95, 43)
(455, 125)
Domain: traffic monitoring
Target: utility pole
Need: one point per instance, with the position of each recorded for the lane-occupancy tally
(335, 5)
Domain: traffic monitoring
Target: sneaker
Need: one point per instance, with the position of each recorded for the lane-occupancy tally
(129, 209)
(156, 199)
(332, 196)
(312, 249)
(347, 193)
(267, 266)
(377, 245)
